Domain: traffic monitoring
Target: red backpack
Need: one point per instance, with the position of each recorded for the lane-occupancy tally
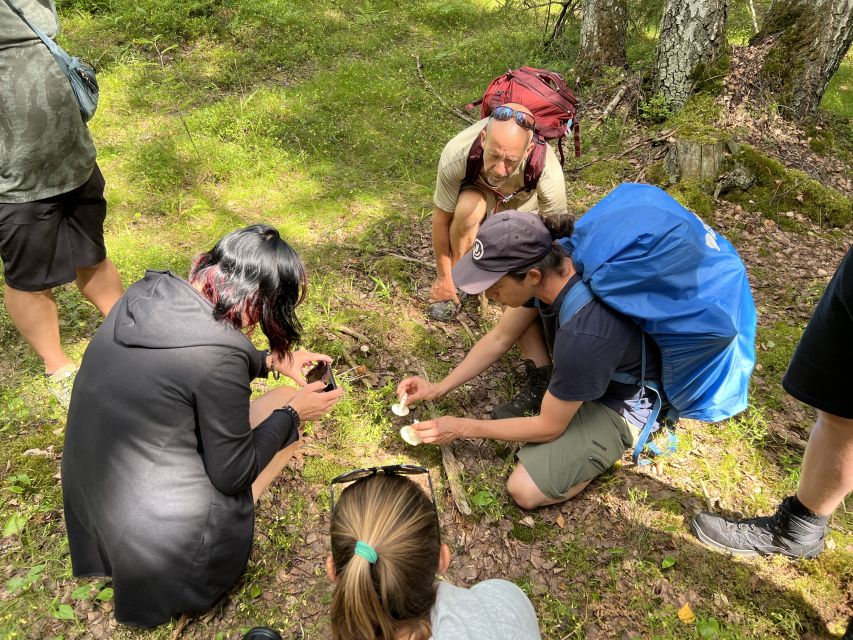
(553, 105)
(544, 92)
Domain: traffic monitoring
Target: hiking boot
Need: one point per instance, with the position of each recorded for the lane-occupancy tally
(60, 383)
(782, 533)
(529, 400)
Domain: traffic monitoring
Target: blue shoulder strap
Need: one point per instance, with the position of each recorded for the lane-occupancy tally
(576, 299)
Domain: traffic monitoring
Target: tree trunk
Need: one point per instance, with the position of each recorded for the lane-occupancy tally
(692, 37)
(809, 40)
(603, 29)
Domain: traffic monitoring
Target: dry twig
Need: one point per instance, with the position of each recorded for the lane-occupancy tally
(451, 465)
(179, 628)
(611, 106)
(455, 111)
(352, 333)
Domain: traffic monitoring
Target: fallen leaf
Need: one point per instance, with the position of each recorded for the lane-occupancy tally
(561, 521)
(686, 615)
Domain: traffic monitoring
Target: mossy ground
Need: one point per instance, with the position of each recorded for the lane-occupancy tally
(311, 117)
(778, 190)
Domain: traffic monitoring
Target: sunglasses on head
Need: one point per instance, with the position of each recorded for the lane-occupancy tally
(388, 470)
(522, 119)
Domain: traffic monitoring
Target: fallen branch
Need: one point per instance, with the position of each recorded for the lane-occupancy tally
(451, 465)
(467, 329)
(611, 106)
(179, 628)
(455, 111)
(423, 263)
(352, 333)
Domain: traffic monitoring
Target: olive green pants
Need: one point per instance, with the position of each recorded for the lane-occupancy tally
(596, 438)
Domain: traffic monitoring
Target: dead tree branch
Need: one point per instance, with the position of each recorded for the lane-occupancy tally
(454, 110)
(451, 465)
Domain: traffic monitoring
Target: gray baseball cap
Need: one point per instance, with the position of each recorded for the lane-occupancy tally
(506, 242)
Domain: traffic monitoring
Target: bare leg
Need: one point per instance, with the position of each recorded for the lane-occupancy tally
(452, 235)
(259, 411)
(35, 316)
(827, 473)
(101, 285)
(527, 495)
(467, 218)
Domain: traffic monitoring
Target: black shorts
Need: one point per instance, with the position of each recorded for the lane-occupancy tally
(43, 242)
(820, 372)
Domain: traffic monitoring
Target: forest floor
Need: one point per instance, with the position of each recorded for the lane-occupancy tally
(313, 119)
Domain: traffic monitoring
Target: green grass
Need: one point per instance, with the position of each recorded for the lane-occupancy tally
(311, 117)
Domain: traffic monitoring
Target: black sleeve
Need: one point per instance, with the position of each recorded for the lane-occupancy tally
(234, 453)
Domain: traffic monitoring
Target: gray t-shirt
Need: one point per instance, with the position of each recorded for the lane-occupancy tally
(490, 610)
(45, 147)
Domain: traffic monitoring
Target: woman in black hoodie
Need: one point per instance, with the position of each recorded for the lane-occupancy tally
(164, 452)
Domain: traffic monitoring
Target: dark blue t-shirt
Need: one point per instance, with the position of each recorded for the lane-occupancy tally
(596, 342)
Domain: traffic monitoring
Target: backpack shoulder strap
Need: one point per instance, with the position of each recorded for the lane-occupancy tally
(535, 163)
(576, 299)
(474, 164)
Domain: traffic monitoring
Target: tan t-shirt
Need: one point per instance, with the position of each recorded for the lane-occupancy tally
(549, 196)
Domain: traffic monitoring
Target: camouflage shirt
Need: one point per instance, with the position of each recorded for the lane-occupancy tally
(45, 148)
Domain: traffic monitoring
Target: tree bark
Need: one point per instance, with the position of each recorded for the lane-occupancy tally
(692, 37)
(809, 40)
(603, 27)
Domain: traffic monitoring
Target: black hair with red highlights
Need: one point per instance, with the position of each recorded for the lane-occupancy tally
(253, 275)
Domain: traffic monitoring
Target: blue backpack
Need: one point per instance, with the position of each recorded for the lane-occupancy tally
(646, 256)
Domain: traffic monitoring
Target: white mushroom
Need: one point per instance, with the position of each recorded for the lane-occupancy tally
(411, 436)
(400, 409)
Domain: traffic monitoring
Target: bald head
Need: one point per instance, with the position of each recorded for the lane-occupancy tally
(509, 132)
(506, 145)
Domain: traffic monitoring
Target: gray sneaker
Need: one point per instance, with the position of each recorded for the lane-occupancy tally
(782, 533)
(61, 382)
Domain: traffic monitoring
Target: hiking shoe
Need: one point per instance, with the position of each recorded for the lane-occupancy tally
(60, 383)
(782, 533)
(443, 311)
(529, 400)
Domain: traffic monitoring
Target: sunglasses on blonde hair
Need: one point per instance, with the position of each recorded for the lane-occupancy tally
(388, 470)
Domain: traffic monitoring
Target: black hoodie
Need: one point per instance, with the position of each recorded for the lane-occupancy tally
(159, 457)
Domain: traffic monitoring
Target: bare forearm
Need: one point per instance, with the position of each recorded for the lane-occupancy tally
(441, 242)
(527, 429)
(481, 357)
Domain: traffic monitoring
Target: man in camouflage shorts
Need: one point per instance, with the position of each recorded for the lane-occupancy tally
(52, 205)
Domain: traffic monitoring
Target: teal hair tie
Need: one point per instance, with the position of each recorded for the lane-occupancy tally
(366, 551)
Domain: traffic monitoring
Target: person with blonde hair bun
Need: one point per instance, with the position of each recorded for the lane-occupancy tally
(386, 553)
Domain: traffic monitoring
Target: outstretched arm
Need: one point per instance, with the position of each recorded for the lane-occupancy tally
(552, 421)
(513, 323)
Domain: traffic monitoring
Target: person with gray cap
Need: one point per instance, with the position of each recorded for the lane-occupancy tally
(586, 421)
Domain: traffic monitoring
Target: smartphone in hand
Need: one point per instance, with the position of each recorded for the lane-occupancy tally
(322, 371)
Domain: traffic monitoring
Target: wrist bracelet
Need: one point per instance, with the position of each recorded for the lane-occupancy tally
(293, 414)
